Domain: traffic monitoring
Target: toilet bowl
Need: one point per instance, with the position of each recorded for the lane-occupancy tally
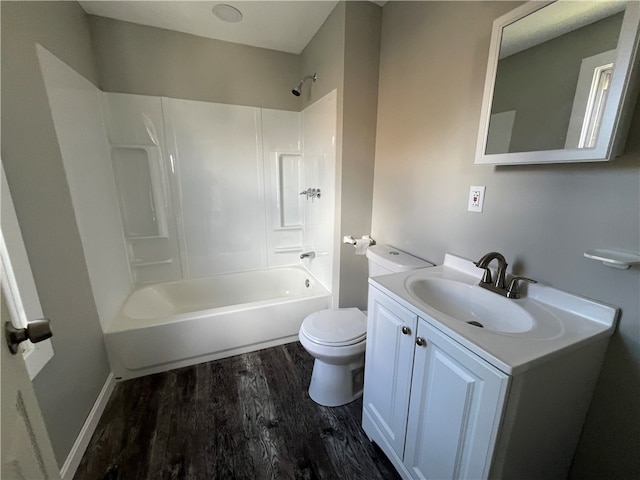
(337, 338)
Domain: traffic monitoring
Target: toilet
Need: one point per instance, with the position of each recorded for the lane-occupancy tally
(336, 338)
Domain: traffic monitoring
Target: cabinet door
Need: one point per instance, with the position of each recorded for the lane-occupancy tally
(388, 366)
(455, 408)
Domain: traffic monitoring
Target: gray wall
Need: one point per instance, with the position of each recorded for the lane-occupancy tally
(542, 218)
(69, 384)
(361, 65)
(153, 61)
(324, 55)
(345, 54)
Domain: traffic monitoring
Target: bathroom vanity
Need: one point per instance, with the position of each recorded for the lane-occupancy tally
(447, 398)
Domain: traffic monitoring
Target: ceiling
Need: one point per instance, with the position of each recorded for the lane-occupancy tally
(552, 21)
(278, 25)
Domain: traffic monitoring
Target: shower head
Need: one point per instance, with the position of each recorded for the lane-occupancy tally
(298, 89)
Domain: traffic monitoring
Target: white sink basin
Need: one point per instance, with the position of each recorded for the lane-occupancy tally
(516, 333)
(471, 304)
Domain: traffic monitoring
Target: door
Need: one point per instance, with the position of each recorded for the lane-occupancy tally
(388, 367)
(26, 448)
(455, 409)
(18, 283)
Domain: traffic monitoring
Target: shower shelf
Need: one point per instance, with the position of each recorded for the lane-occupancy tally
(140, 263)
(142, 190)
(290, 227)
(147, 237)
(118, 145)
(290, 249)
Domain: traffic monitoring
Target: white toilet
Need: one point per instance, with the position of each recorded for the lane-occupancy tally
(337, 338)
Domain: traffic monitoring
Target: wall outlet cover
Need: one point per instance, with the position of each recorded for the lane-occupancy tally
(476, 198)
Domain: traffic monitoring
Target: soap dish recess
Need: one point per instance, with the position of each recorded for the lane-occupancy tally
(613, 258)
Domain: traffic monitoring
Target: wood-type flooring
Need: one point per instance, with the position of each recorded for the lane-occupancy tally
(245, 417)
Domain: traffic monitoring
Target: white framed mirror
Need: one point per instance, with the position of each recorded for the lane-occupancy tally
(561, 82)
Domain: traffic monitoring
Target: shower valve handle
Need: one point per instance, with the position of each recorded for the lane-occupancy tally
(311, 193)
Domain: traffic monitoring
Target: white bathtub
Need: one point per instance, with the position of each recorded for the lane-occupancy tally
(174, 324)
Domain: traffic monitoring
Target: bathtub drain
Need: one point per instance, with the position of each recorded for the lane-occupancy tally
(307, 283)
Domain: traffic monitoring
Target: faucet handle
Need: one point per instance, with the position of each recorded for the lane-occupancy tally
(486, 276)
(513, 291)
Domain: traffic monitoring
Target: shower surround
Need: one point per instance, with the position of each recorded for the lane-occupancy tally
(209, 188)
(168, 189)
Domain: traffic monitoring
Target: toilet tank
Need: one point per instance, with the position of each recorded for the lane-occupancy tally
(384, 259)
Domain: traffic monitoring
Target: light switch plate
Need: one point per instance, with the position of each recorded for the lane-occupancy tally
(476, 198)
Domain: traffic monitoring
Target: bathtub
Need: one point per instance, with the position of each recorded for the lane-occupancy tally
(169, 325)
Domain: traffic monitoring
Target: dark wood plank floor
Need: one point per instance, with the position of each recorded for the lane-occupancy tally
(245, 417)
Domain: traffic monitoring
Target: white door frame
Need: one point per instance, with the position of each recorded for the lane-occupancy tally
(26, 446)
(17, 282)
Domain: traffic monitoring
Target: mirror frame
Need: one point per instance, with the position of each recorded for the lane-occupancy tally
(617, 112)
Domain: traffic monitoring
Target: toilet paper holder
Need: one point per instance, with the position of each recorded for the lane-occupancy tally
(351, 241)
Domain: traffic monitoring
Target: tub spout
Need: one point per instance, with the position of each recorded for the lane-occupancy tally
(308, 255)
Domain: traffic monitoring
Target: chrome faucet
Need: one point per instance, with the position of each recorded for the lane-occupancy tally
(307, 255)
(498, 286)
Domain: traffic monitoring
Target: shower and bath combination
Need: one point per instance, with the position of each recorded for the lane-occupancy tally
(297, 90)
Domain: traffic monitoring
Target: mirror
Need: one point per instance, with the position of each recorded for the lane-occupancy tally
(558, 81)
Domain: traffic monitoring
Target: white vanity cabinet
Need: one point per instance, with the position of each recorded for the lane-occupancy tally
(389, 364)
(432, 405)
(454, 409)
(446, 399)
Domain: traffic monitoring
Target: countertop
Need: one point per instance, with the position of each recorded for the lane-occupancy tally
(562, 321)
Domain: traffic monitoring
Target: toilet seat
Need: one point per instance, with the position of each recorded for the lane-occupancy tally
(336, 328)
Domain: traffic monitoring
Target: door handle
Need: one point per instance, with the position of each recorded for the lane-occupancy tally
(36, 331)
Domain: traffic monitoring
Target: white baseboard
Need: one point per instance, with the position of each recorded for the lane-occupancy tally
(70, 466)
